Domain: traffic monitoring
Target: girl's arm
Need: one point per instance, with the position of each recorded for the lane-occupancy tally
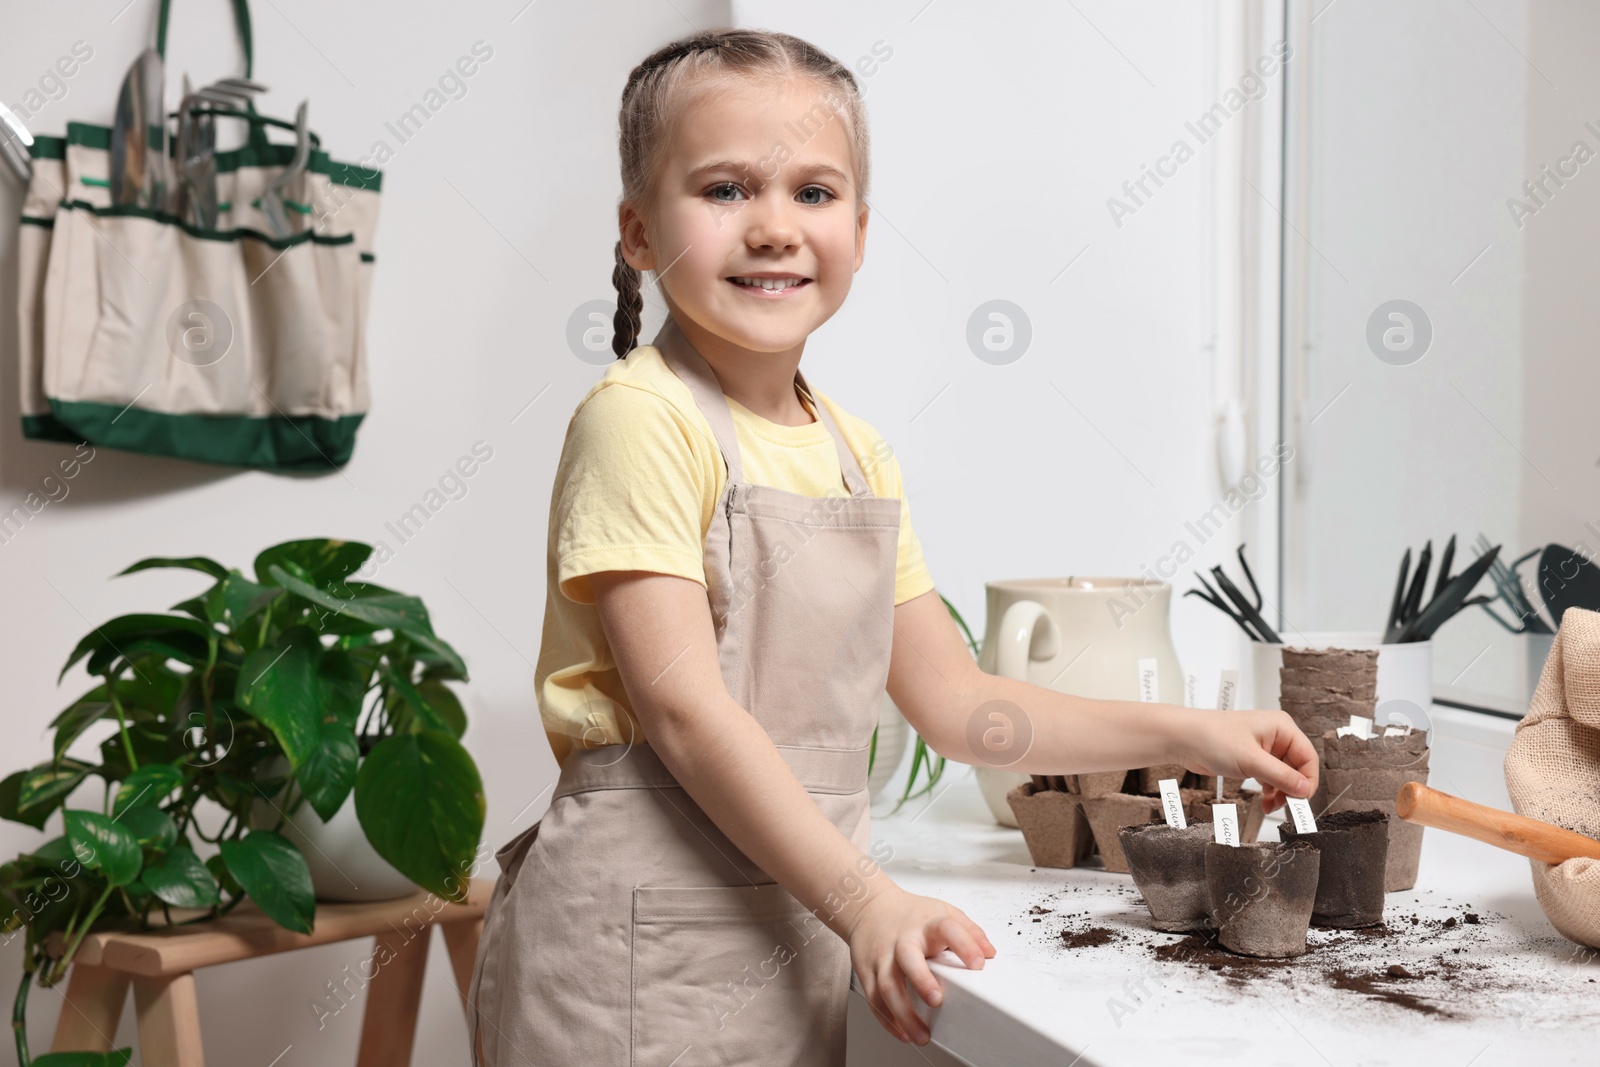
(968, 715)
(660, 631)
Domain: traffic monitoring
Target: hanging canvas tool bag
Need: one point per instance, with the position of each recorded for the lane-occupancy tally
(183, 301)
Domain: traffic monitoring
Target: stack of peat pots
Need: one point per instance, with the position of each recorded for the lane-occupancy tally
(1321, 688)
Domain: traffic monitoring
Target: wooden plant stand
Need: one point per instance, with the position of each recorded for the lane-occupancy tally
(160, 965)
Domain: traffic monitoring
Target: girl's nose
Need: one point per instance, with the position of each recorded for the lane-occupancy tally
(772, 224)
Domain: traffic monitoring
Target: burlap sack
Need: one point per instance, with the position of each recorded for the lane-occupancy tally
(1553, 771)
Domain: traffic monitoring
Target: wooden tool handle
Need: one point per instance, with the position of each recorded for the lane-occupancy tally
(1514, 833)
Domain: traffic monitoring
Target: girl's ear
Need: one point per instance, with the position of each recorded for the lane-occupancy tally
(861, 236)
(635, 237)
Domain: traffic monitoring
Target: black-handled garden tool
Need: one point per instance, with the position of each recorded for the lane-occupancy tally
(1248, 615)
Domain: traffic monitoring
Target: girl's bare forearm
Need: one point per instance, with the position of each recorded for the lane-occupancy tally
(728, 764)
(1033, 730)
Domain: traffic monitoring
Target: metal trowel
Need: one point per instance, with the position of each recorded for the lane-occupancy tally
(139, 135)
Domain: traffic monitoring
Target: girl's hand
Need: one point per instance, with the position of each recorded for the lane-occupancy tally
(1264, 745)
(890, 941)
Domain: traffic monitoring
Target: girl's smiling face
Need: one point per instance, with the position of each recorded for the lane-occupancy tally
(758, 181)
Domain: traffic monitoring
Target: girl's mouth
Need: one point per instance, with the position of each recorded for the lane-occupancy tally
(769, 288)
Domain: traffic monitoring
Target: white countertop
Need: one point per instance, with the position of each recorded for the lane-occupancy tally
(1516, 993)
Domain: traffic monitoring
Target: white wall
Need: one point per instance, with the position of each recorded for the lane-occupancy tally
(999, 133)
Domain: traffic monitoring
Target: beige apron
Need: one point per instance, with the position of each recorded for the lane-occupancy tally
(625, 928)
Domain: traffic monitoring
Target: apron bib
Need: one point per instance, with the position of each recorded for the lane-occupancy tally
(625, 928)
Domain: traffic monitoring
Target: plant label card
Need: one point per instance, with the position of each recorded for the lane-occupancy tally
(1227, 697)
(1359, 727)
(1228, 691)
(1396, 731)
(1225, 823)
(1172, 803)
(1149, 689)
(1300, 811)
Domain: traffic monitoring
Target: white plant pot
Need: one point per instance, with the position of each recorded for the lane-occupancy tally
(894, 735)
(994, 784)
(344, 865)
(1405, 671)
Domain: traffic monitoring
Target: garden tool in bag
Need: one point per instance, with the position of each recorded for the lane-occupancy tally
(181, 300)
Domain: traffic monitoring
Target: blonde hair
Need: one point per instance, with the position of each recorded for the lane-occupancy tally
(662, 87)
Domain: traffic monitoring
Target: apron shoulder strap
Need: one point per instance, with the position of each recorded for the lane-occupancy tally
(849, 466)
(697, 374)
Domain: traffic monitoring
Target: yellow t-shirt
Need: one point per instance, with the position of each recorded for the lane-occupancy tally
(639, 474)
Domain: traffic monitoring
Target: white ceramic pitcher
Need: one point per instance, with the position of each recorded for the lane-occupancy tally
(1076, 635)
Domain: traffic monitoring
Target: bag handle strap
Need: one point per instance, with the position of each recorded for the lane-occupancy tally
(257, 133)
(241, 18)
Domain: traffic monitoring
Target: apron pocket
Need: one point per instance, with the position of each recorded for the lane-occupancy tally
(735, 975)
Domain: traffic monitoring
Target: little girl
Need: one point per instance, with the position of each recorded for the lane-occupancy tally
(733, 583)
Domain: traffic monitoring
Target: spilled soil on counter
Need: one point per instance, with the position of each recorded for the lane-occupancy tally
(1446, 960)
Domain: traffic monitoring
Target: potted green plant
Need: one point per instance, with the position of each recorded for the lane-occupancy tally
(301, 674)
(922, 758)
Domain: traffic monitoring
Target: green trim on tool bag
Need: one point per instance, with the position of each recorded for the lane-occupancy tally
(249, 155)
(292, 205)
(274, 442)
(47, 147)
(47, 428)
(131, 211)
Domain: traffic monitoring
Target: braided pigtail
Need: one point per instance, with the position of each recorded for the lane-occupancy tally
(626, 323)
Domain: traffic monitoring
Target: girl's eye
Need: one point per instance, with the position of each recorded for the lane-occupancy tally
(720, 186)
